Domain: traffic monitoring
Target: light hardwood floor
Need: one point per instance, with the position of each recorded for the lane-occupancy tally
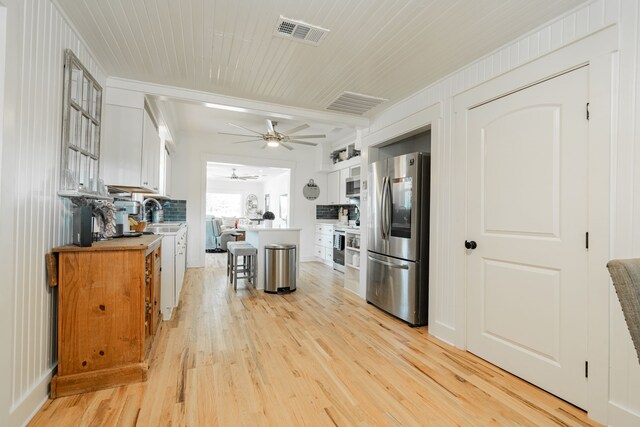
(319, 356)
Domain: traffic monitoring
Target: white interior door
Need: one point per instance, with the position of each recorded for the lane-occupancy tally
(527, 211)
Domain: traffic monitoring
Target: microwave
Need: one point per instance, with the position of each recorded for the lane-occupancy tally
(353, 187)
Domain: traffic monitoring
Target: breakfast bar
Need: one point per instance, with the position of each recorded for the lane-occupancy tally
(261, 236)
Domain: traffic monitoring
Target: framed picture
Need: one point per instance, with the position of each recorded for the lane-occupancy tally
(267, 202)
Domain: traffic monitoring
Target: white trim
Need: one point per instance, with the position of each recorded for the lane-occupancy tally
(429, 116)
(595, 50)
(32, 401)
(241, 105)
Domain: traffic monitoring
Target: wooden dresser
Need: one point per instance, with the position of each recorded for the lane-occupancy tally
(108, 313)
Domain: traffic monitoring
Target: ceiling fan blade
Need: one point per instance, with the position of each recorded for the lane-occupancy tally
(263, 147)
(296, 129)
(313, 144)
(310, 136)
(242, 127)
(236, 134)
(248, 140)
(270, 128)
(288, 147)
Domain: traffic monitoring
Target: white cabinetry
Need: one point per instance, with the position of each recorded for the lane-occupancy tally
(352, 260)
(324, 243)
(337, 187)
(174, 256)
(333, 188)
(131, 149)
(342, 187)
(166, 188)
(151, 149)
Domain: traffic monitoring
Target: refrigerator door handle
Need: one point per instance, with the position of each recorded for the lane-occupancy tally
(389, 264)
(387, 208)
(383, 207)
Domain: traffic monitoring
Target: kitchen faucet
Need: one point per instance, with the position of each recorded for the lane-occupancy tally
(144, 207)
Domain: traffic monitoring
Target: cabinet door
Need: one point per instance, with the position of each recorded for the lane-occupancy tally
(333, 190)
(167, 173)
(344, 174)
(150, 155)
(121, 149)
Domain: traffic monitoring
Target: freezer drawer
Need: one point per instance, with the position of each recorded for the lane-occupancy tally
(393, 285)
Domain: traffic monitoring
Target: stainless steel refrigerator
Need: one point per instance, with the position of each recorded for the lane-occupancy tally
(398, 243)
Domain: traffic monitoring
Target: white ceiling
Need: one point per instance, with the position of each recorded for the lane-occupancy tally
(184, 117)
(383, 48)
(222, 171)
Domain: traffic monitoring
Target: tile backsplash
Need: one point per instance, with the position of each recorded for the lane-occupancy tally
(174, 210)
(331, 211)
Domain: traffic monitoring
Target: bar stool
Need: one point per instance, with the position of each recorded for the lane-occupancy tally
(248, 254)
(230, 257)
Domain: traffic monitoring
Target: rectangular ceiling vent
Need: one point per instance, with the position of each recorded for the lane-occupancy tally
(355, 103)
(300, 31)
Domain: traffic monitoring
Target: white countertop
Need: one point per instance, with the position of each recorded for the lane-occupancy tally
(263, 229)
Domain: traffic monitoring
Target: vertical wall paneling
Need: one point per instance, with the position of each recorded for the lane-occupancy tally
(33, 219)
(624, 380)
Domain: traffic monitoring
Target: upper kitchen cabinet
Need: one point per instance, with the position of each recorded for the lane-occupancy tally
(132, 147)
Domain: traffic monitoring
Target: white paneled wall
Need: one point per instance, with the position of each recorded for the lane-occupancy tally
(33, 219)
(558, 33)
(624, 383)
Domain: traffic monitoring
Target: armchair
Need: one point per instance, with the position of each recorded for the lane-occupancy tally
(219, 238)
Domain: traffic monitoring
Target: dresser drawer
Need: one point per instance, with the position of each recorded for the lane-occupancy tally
(327, 241)
(319, 251)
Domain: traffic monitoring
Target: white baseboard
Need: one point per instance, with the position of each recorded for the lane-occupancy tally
(23, 411)
(308, 258)
(622, 417)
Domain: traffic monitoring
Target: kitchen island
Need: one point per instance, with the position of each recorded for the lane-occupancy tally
(261, 236)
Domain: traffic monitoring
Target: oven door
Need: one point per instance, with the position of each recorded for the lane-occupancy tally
(338, 250)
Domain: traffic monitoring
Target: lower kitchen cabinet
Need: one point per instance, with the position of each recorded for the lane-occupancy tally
(324, 243)
(108, 313)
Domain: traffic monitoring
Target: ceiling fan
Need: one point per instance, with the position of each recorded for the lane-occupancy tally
(273, 138)
(234, 176)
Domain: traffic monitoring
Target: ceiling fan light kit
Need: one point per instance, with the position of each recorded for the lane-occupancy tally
(273, 138)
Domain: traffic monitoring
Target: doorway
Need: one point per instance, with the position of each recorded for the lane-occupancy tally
(527, 218)
(238, 196)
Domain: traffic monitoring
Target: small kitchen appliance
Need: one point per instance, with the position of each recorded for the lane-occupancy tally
(82, 225)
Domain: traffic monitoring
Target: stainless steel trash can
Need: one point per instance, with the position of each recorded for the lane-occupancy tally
(279, 268)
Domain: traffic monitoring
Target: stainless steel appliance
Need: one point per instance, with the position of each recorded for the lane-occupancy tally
(353, 187)
(398, 242)
(338, 249)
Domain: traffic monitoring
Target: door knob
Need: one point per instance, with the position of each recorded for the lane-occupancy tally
(470, 244)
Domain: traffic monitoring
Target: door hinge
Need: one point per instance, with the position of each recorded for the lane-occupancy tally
(586, 369)
(587, 111)
(586, 240)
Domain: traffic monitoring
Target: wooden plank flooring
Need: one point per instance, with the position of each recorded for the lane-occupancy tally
(319, 356)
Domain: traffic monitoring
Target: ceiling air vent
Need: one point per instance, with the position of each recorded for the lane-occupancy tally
(301, 31)
(355, 103)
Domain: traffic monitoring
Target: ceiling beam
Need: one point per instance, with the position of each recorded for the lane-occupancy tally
(241, 105)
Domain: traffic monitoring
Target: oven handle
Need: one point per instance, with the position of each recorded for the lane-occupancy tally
(389, 264)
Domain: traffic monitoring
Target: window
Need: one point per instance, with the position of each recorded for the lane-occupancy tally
(224, 204)
(80, 128)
